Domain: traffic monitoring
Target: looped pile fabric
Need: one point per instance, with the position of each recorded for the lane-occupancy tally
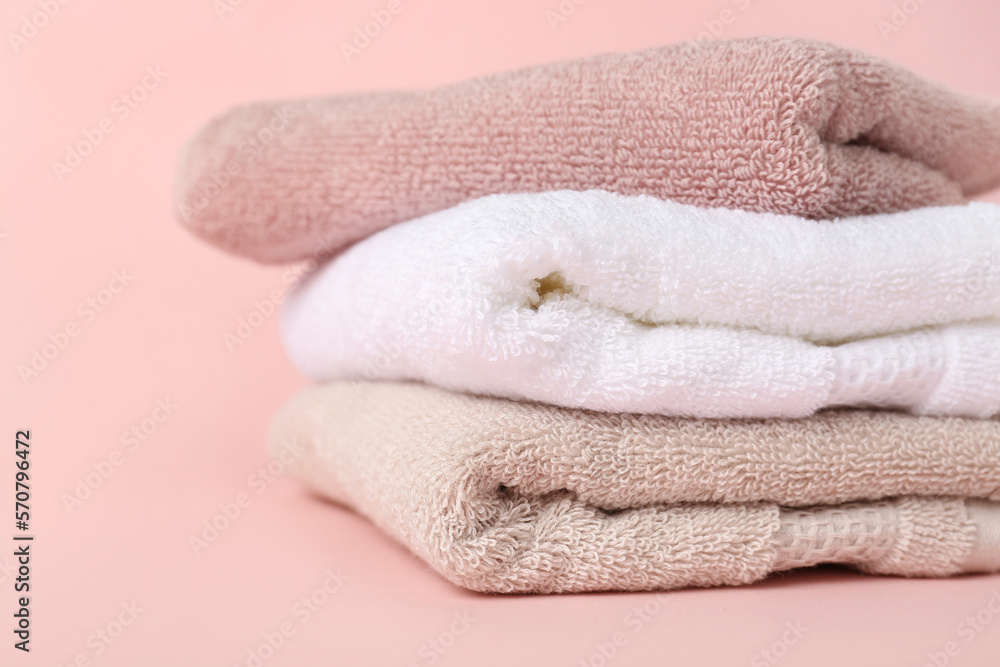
(762, 124)
(615, 303)
(680, 317)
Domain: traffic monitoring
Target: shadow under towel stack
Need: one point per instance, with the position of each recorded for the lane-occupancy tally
(682, 317)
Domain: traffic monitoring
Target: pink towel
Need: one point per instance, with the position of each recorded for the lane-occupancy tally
(514, 497)
(763, 124)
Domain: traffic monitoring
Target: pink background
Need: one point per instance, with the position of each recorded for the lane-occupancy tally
(161, 337)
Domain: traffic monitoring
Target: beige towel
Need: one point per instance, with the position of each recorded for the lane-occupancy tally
(516, 497)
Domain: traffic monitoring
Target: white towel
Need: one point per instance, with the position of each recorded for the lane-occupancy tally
(616, 303)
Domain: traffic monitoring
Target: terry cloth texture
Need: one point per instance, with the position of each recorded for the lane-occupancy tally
(763, 124)
(633, 304)
(512, 497)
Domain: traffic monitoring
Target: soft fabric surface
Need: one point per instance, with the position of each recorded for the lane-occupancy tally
(764, 124)
(512, 497)
(633, 304)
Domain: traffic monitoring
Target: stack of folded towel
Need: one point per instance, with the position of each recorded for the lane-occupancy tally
(682, 317)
